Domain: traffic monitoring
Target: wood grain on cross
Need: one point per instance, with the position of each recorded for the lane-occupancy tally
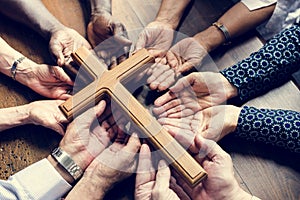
(108, 82)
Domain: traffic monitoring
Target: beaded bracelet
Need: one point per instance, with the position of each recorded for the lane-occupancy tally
(13, 69)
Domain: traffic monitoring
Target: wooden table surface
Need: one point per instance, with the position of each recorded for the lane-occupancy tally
(267, 172)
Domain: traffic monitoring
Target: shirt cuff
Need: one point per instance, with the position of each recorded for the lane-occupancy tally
(41, 181)
(253, 5)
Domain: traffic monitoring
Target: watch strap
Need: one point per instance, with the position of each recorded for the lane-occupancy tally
(67, 163)
(224, 30)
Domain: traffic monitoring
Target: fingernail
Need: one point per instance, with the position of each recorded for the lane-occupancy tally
(162, 164)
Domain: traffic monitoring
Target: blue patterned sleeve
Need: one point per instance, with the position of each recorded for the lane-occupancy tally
(276, 127)
(267, 68)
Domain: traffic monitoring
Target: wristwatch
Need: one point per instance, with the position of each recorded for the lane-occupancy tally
(67, 163)
(224, 30)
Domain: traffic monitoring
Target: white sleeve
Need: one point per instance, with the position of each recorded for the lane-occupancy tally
(256, 4)
(38, 181)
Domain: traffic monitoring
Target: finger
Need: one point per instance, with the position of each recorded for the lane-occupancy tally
(59, 128)
(184, 136)
(208, 147)
(120, 34)
(159, 69)
(57, 50)
(181, 84)
(133, 144)
(113, 62)
(172, 60)
(61, 75)
(90, 115)
(170, 80)
(164, 98)
(165, 103)
(145, 172)
(166, 79)
(64, 96)
(162, 182)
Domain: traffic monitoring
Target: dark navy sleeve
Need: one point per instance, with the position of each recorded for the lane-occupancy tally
(276, 127)
(267, 68)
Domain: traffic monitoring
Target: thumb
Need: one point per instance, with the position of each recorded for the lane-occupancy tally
(57, 51)
(93, 113)
(208, 148)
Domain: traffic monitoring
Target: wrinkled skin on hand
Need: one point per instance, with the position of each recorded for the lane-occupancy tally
(157, 37)
(109, 38)
(85, 139)
(206, 88)
(46, 113)
(218, 165)
(46, 80)
(65, 41)
(212, 123)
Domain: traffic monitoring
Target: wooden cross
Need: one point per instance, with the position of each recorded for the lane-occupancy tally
(108, 82)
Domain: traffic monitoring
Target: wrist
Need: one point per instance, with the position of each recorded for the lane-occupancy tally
(166, 22)
(230, 90)
(25, 71)
(61, 170)
(87, 187)
(101, 11)
(78, 153)
(210, 38)
(232, 116)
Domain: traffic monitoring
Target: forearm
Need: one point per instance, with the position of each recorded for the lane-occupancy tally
(33, 14)
(94, 191)
(276, 127)
(238, 20)
(14, 116)
(8, 56)
(98, 6)
(171, 11)
(267, 68)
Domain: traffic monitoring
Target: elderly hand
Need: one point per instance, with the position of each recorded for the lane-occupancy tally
(109, 38)
(65, 41)
(211, 123)
(220, 183)
(85, 138)
(46, 80)
(46, 113)
(157, 37)
(207, 88)
(114, 164)
(151, 185)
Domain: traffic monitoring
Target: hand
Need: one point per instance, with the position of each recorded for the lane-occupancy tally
(212, 123)
(150, 185)
(220, 183)
(207, 88)
(47, 114)
(157, 37)
(114, 164)
(181, 58)
(111, 34)
(65, 41)
(85, 138)
(46, 80)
